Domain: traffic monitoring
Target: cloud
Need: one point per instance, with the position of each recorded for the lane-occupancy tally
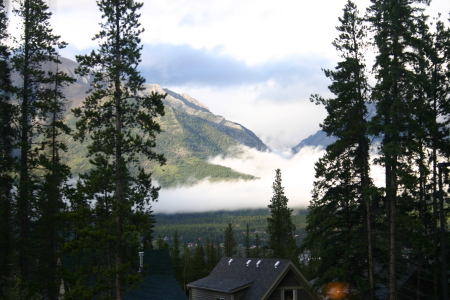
(271, 99)
(169, 64)
(297, 175)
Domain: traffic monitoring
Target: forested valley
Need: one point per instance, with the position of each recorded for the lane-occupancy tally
(212, 225)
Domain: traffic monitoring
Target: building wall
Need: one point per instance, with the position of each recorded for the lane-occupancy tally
(302, 294)
(290, 280)
(241, 294)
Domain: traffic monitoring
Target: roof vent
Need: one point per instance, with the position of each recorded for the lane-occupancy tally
(276, 264)
(258, 263)
(248, 262)
(230, 261)
(141, 261)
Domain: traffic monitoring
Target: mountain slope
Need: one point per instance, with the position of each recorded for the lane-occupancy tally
(319, 139)
(191, 135)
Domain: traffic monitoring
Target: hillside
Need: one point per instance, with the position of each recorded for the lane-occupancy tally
(191, 135)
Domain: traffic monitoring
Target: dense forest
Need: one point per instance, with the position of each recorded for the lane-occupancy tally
(211, 225)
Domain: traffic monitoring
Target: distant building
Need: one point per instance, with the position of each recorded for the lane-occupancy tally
(253, 279)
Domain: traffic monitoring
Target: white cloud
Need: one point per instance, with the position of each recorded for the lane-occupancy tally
(297, 171)
(297, 175)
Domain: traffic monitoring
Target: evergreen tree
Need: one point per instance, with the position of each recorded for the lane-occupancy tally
(339, 227)
(198, 262)
(279, 225)
(40, 103)
(230, 243)
(54, 187)
(219, 252)
(431, 116)
(7, 134)
(247, 242)
(257, 250)
(187, 266)
(160, 243)
(399, 110)
(176, 258)
(211, 256)
(111, 115)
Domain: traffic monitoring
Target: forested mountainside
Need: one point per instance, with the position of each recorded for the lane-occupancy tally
(191, 134)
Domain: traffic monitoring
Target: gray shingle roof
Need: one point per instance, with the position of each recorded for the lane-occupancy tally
(230, 277)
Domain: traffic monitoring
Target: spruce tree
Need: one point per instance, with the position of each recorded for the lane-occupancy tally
(230, 242)
(39, 106)
(112, 115)
(399, 109)
(439, 74)
(7, 134)
(279, 225)
(339, 229)
(187, 266)
(54, 187)
(247, 242)
(198, 262)
(211, 256)
(175, 254)
(257, 250)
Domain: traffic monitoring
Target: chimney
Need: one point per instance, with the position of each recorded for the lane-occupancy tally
(141, 261)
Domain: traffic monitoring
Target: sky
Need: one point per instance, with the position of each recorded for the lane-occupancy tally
(255, 62)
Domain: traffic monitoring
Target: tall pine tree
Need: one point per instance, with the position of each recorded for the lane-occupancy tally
(175, 255)
(35, 52)
(118, 188)
(7, 134)
(230, 242)
(340, 229)
(396, 26)
(54, 187)
(279, 225)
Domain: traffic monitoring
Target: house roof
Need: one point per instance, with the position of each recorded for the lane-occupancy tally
(261, 279)
(159, 281)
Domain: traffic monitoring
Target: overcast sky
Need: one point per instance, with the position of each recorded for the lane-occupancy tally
(254, 62)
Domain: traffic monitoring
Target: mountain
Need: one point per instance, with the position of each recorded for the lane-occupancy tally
(319, 139)
(191, 135)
